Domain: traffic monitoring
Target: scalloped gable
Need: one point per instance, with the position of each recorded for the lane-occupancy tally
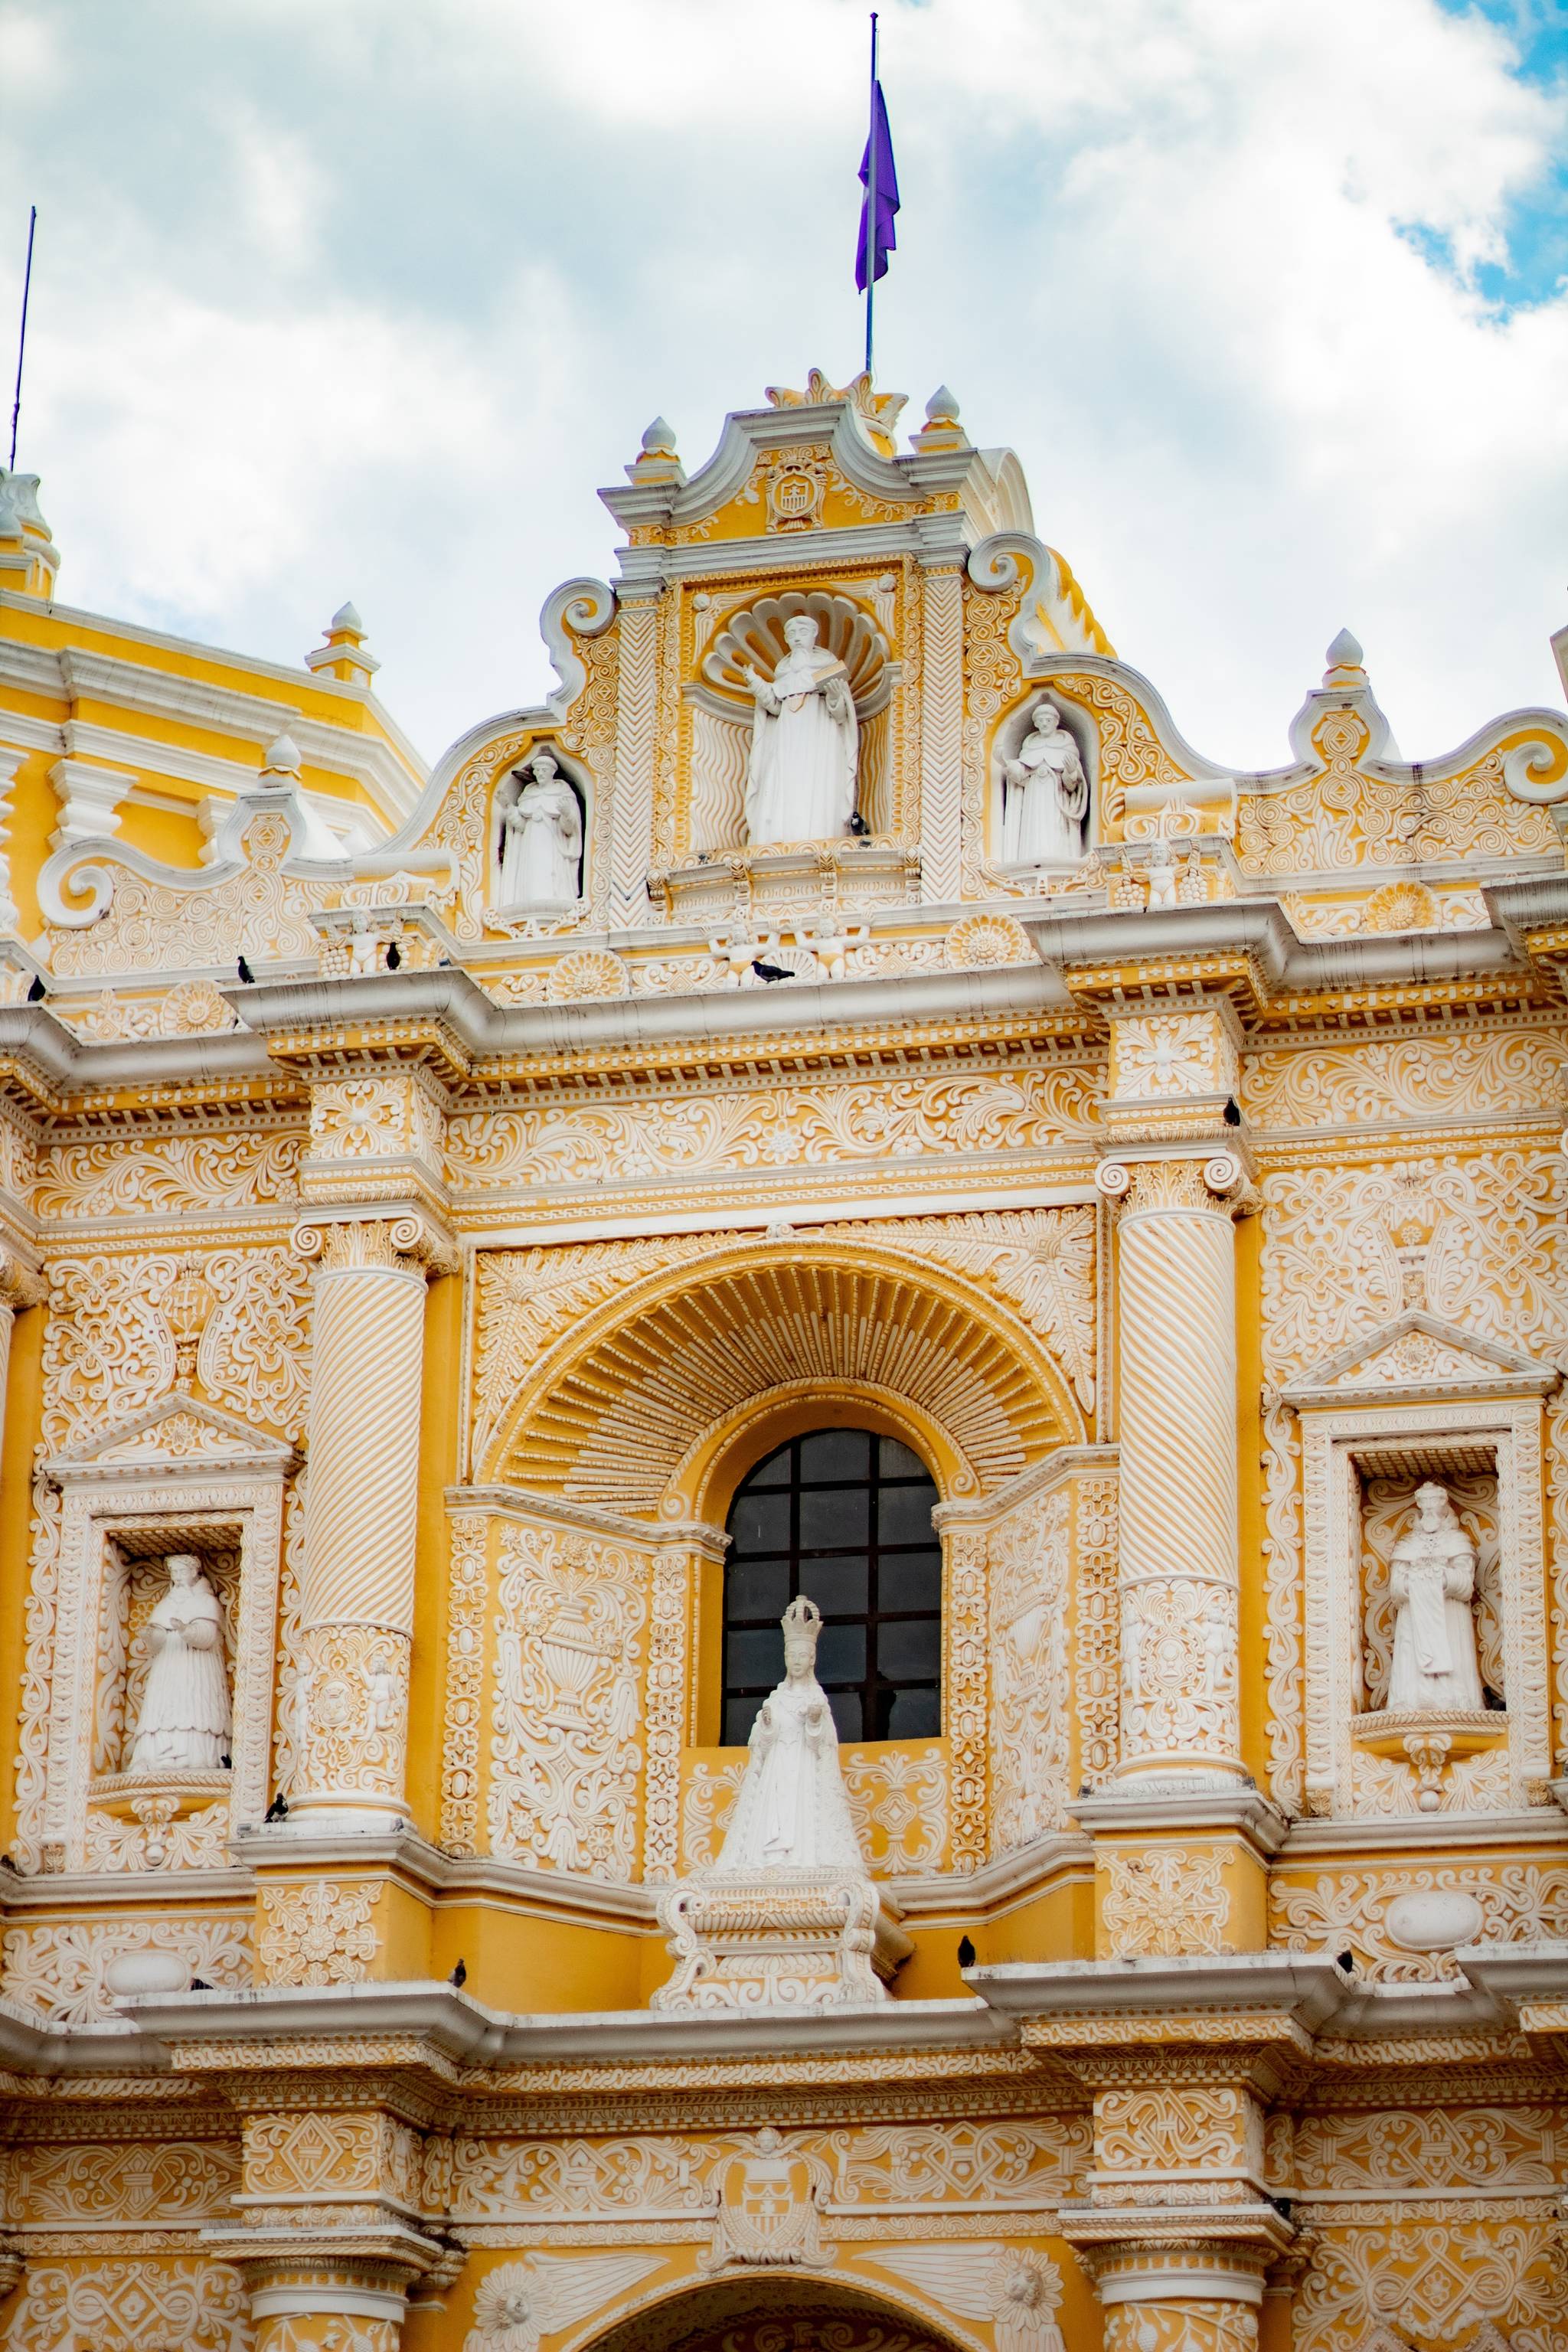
(180, 1432)
(1418, 1356)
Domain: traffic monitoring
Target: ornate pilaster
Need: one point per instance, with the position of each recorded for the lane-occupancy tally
(942, 715)
(631, 824)
(1180, 1834)
(1174, 2222)
(21, 1286)
(329, 2237)
(1176, 1349)
(357, 1621)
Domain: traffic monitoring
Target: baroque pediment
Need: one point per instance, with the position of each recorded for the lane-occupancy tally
(1419, 1356)
(180, 1432)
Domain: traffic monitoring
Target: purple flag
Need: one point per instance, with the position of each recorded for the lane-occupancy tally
(884, 236)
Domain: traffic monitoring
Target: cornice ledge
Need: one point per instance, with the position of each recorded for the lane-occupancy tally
(619, 1903)
(1067, 1462)
(1127, 1805)
(521, 1502)
(711, 1023)
(72, 1063)
(953, 1898)
(1260, 930)
(30, 2045)
(1308, 1987)
(458, 2027)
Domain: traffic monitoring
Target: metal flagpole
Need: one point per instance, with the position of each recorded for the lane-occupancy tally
(27, 285)
(871, 200)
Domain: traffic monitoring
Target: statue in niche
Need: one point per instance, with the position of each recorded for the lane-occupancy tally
(184, 1725)
(542, 838)
(805, 744)
(1431, 1583)
(1047, 794)
(791, 1812)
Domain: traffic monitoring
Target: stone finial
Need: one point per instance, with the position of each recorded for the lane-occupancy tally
(343, 654)
(1343, 655)
(28, 556)
(657, 459)
(281, 761)
(942, 429)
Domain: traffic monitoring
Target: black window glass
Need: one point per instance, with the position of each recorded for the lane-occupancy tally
(844, 1518)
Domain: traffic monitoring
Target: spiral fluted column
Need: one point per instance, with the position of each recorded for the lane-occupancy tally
(361, 1516)
(1176, 1332)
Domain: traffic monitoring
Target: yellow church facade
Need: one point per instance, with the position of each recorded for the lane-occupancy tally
(1085, 1227)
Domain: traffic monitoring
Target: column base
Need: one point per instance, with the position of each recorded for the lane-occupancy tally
(327, 1816)
(1181, 1865)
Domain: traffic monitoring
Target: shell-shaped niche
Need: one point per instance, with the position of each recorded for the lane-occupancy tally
(755, 637)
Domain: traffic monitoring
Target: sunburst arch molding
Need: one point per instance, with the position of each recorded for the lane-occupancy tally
(654, 1400)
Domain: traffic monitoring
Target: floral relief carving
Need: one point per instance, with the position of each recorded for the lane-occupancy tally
(61, 1970)
(1177, 2127)
(1172, 1053)
(1195, 2325)
(317, 1934)
(184, 2305)
(467, 1595)
(118, 2183)
(1167, 1901)
(1388, 1079)
(156, 927)
(169, 1176)
(566, 1757)
(965, 1701)
(1098, 1639)
(1436, 2279)
(1030, 1557)
(354, 1727)
(1474, 2148)
(779, 1126)
(1520, 1902)
(1495, 1259)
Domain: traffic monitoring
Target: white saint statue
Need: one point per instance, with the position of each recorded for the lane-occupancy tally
(1047, 794)
(791, 1812)
(1432, 1579)
(184, 1725)
(805, 742)
(542, 838)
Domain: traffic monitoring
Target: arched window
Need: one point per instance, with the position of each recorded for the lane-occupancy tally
(844, 1517)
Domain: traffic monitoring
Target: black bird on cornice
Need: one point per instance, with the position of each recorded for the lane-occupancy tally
(965, 1953)
(770, 970)
(394, 956)
(277, 1810)
(244, 969)
(37, 993)
(459, 1976)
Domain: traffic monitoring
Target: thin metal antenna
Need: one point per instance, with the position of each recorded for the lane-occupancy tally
(22, 339)
(870, 200)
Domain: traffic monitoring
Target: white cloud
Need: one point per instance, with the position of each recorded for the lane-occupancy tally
(358, 302)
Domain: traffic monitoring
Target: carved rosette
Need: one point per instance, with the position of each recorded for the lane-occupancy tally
(361, 1512)
(1179, 1582)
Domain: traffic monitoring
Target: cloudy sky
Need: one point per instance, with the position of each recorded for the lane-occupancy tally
(365, 299)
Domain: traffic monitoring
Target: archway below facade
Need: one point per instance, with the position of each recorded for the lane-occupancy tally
(776, 2312)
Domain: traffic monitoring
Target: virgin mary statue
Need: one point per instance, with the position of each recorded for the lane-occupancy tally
(791, 1812)
(804, 744)
(184, 1725)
